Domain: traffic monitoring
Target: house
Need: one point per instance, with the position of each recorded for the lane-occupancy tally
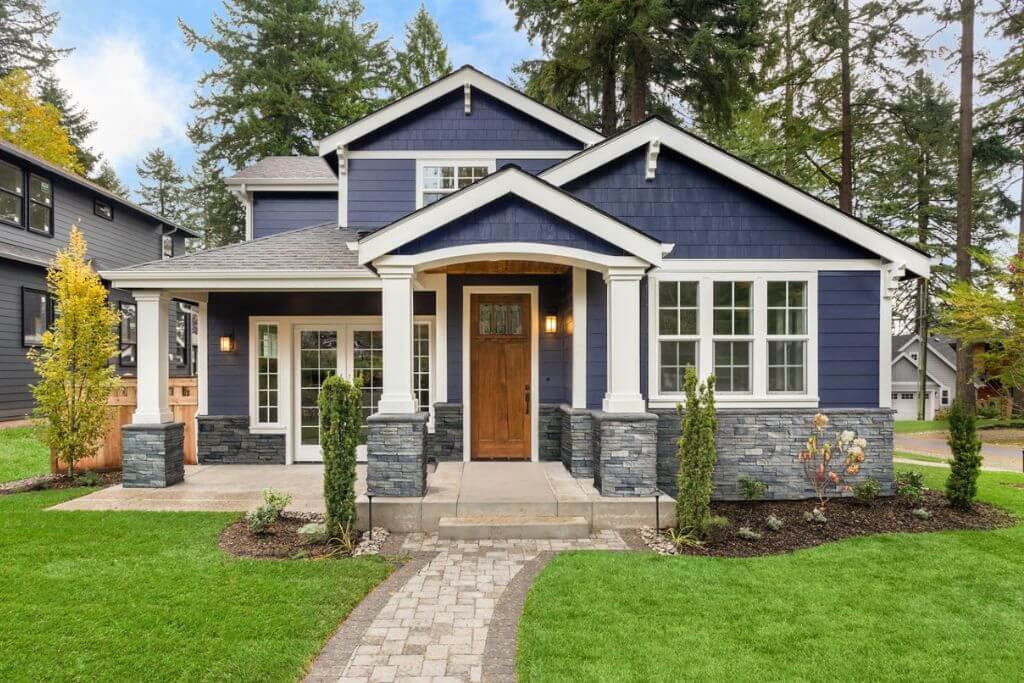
(39, 202)
(940, 369)
(508, 285)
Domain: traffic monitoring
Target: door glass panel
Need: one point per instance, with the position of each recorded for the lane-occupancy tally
(318, 360)
(515, 319)
(368, 366)
(499, 319)
(485, 318)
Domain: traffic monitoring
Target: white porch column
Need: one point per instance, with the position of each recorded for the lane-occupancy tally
(623, 394)
(579, 338)
(202, 369)
(396, 300)
(151, 405)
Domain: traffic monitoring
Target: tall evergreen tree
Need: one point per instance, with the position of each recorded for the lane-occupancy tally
(287, 74)
(107, 178)
(424, 58)
(25, 32)
(73, 118)
(214, 213)
(162, 186)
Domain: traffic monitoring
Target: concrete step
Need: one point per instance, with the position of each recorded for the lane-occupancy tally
(478, 528)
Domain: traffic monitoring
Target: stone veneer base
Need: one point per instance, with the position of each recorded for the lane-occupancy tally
(625, 453)
(153, 456)
(396, 455)
(576, 441)
(226, 439)
(445, 443)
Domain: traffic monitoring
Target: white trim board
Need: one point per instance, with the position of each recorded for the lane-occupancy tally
(236, 280)
(510, 251)
(456, 80)
(746, 175)
(446, 154)
(534, 292)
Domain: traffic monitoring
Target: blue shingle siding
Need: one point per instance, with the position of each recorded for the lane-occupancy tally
(228, 313)
(509, 219)
(597, 339)
(704, 214)
(277, 212)
(380, 191)
(554, 349)
(848, 333)
(533, 166)
(444, 125)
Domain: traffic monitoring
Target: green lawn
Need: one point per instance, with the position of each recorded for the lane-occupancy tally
(21, 454)
(148, 595)
(942, 606)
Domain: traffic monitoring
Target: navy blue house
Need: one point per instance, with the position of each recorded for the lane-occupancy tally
(508, 284)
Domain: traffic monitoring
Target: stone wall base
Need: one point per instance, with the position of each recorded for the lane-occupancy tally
(624, 453)
(549, 432)
(763, 443)
(576, 441)
(226, 439)
(446, 441)
(153, 456)
(396, 455)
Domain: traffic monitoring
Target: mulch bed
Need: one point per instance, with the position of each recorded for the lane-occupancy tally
(282, 540)
(56, 481)
(846, 518)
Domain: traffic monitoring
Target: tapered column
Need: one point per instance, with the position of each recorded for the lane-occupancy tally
(151, 391)
(396, 299)
(623, 393)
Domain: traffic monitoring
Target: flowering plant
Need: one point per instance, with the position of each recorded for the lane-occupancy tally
(826, 465)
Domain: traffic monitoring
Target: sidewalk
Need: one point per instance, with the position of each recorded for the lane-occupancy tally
(1000, 458)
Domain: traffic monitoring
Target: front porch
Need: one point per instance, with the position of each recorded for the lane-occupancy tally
(454, 489)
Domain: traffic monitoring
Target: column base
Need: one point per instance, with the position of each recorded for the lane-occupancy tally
(628, 403)
(395, 453)
(625, 453)
(577, 442)
(153, 455)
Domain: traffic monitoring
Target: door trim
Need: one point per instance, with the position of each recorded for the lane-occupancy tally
(533, 291)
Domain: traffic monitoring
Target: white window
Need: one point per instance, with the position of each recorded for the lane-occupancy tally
(733, 335)
(368, 366)
(678, 332)
(267, 390)
(787, 337)
(421, 365)
(435, 179)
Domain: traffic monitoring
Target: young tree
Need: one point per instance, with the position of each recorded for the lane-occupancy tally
(162, 186)
(697, 455)
(33, 125)
(73, 119)
(73, 363)
(107, 178)
(341, 419)
(214, 212)
(962, 484)
(25, 31)
(424, 58)
(286, 75)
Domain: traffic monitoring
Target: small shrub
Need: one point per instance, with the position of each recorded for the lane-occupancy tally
(910, 484)
(989, 408)
(89, 479)
(752, 489)
(922, 513)
(715, 529)
(962, 485)
(341, 421)
(276, 500)
(827, 464)
(867, 491)
(696, 455)
(817, 515)
(261, 519)
(748, 534)
(774, 523)
(313, 533)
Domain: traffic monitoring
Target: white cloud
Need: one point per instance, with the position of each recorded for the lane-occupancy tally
(136, 103)
(496, 47)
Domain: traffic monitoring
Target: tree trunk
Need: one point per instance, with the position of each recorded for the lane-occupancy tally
(846, 117)
(609, 116)
(923, 203)
(639, 87)
(965, 183)
(1018, 392)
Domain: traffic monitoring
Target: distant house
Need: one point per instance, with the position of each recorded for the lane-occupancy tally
(940, 388)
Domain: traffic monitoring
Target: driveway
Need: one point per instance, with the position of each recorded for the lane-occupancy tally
(1006, 458)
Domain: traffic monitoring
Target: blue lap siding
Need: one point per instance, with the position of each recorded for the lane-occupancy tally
(848, 335)
(380, 191)
(277, 212)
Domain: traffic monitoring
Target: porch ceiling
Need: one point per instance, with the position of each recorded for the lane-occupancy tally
(502, 268)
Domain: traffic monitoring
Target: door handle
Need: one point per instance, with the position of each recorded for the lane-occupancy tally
(526, 396)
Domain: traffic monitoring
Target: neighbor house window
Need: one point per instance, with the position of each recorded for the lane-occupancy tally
(40, 204)
(678, 331)
(913, 356)
(421, 364)
(129, 339)
(787, 337)
(36, 315)
(267, 397)
(12, 193)
(945, 397)
(438, 180)
(368, 366)
(733, 334)
(103, 209)
(166, 246)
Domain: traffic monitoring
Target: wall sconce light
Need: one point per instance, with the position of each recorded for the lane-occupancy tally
(569, 325)
(227, 343)
(551, 324)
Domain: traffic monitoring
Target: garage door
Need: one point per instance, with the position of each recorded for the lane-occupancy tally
(905, 403)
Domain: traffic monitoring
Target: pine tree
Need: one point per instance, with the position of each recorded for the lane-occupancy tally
(25, 31)
(162, 186)
(107, 178)
(287, 75)
(424, 58)
(214, 213)
(73, 118)
(962, 484)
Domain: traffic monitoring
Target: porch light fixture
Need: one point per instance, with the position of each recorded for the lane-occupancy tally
(227, 343)
(551, 324)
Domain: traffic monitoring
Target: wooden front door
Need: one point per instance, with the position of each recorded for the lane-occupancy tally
(500, 376)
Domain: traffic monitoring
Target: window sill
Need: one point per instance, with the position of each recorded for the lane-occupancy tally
(267, 429)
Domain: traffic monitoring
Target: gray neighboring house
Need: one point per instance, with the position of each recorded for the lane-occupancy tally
(940, 389)
(39, 202)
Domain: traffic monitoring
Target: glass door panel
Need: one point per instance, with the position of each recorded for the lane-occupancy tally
(318, 359)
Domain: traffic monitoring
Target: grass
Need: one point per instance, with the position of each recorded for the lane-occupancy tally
(917, 426)
(131, 595)
(21, 454)
(905, 606)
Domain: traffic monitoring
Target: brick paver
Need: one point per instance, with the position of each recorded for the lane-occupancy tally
(434, 626)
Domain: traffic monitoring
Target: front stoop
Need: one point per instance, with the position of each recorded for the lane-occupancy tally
(504, 528)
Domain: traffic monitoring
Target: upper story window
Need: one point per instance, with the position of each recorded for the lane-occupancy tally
(166, 246)
(12, 193)
(103, 209)
(440, 178)
(40, 205)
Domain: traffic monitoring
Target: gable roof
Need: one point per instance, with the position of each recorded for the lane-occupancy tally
(314, 170)
(453, 81)
(939, 345)
(511, 180)
(747, 175)
(21, 153)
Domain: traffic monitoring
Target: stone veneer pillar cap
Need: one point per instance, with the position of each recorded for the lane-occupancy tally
(151, 427)
(399, 417)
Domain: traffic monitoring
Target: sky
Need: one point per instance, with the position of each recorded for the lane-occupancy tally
(131, 70)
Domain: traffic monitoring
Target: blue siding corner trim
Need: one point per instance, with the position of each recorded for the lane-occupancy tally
(597, 340)
(705, 215)
(380, 191)
(277, 212)
(849, 306)
(444, 125)
(509, 219)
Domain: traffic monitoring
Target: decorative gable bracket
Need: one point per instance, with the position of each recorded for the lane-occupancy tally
(467, 98)
(653, 147)
(342, 160)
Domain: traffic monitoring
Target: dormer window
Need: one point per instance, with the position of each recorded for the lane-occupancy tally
(439, 178)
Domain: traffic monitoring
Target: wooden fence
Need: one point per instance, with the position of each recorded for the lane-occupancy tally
(184, 401)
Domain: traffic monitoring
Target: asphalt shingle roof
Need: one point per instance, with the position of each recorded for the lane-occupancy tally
(943, 346)
(298, 168)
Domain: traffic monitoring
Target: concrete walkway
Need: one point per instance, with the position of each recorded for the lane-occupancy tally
(435, 624)
(994, 457)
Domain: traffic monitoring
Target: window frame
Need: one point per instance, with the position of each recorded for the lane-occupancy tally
(27, 212)
(96, 203)
(678, 337)
(21, 224)
(732, 337)
(255, 392)
(50, 313)
(706, 276)
(421, 164)
(788, 336)
(183, 311)
(429, 374)
(121, 343)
